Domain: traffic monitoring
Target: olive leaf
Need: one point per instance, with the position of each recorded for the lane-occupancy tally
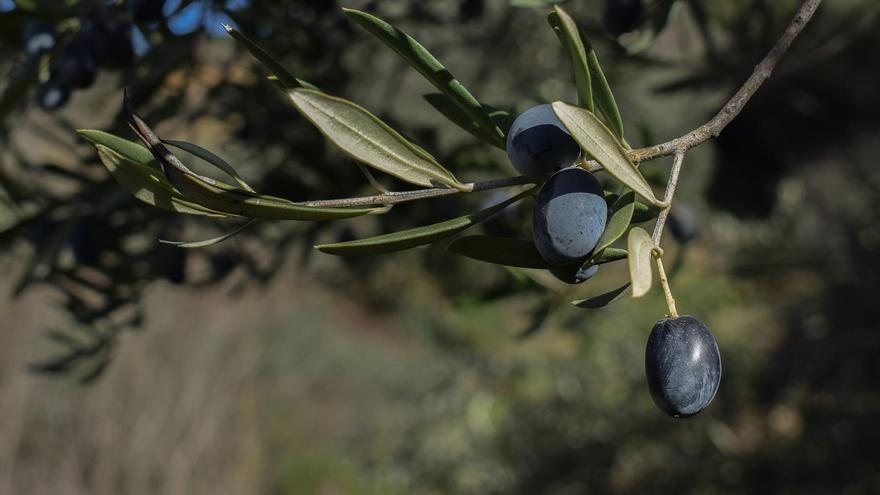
(601, 300)
(210, 242)
(425, 63)
(284, 77)
(603, 95)
(211, 158)
(622, 212)
(608, 255)
(598, 142)
(137, 170)
(567, 31)
(641, 248)
(643, 212)
(500, 251)
(369, 140)
(447, 107)
(419, 236)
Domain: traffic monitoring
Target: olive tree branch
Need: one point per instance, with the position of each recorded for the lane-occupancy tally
(683, 143)
(658, 230)
(394, 197)
(736, 103)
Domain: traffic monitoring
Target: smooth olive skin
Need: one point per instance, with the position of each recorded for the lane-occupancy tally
(683, 366)
(538, 144)
(569, 216)
(575, 275)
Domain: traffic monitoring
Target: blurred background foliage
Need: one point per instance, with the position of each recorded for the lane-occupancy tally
(259, 366)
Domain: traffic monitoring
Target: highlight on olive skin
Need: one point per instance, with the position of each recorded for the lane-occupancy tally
(682, 366)
(538, 144)
(569, 217)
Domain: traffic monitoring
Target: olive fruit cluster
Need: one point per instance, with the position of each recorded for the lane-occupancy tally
(103, 40)
(570, 212)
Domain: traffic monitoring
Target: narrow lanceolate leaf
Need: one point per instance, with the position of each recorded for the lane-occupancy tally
(640, 247)
(209, 242)
(621, 215)
(603, 95)
(211, 158)
(446, 106)
(643, 212)
(421, 59)
(369, 140)
(419, 236)
(500, 251)
(608, 255)
(284, 77)
(598, 142)
(601, 300)
(138, 171)
(569, 35)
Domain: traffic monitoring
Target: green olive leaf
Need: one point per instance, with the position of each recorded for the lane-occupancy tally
(622, 212)
(500, 251)
(603, 95)
(419, 236)
(210, 242)
(367, 139)
(608, 255)
(425, 63)
(644, 213)
(137, 170)
(282, 75)
(641, 248)
(598, 142)
(569, 35)
(211, 158)
(601, 300)
(447, 107)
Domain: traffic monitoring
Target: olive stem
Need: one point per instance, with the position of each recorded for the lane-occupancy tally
(667, 197)
(664, 282)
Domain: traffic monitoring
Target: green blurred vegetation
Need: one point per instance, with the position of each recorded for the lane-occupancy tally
(260, 366)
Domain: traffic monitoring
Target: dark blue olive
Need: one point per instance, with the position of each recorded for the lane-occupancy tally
(538, 144)
(110, 37)
(576, 274)
(684, 224)
(52, 95)
(38, 37)
(683, 366)
(76, 66)
(622, 16)
(569, 216)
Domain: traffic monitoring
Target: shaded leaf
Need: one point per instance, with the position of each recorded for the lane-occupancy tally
(641, 248)
(446, 106)
(622, 212)
(369, 140)
(421, 59)
(643, 212)
(569, 35)
(601, 300)
(284, 77)
(419, 236)
(209, 242)
(500, 251)
(211, 158)
(598, 142)
(608, 255)
(603, 95)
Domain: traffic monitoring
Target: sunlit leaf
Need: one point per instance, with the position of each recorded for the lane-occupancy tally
(641, 247)
(598, 142)
(211, 158)
(621, 216)
(284, 77)
(136, 169)
(569, 35)
(369, 140)
(601, 300)
(419, 236)
(421, 59)
(603, 95)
